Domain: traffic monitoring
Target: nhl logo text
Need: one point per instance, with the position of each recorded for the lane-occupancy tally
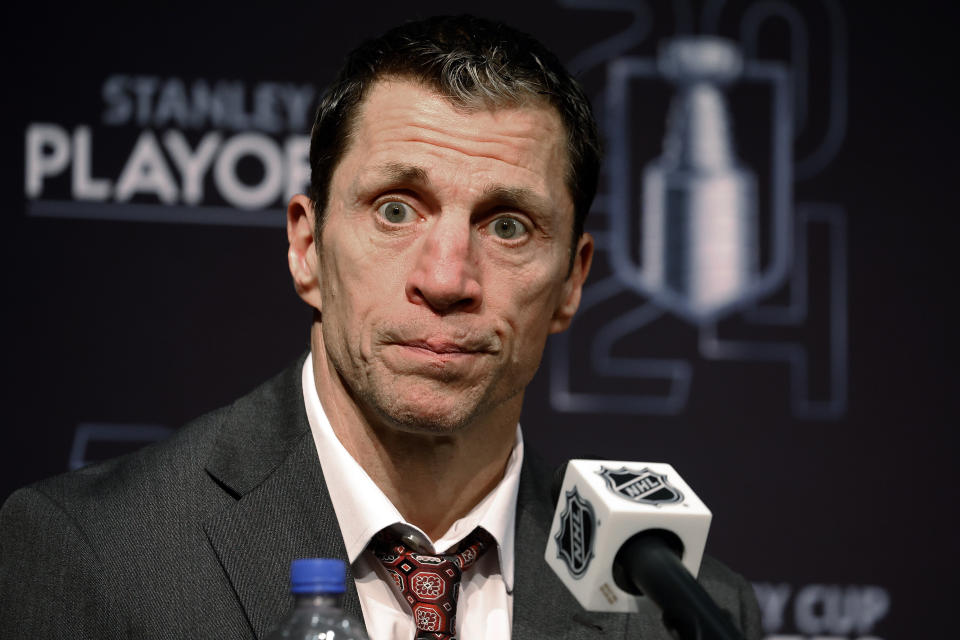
(575, 536)
(644, 486)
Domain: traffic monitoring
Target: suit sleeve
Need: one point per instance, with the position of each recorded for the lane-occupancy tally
(52, 583)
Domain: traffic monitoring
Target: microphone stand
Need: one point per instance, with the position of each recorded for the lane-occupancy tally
(652, 567)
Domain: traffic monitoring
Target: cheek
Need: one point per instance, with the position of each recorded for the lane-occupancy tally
(356, 290)
(339, 297)
(533, 305)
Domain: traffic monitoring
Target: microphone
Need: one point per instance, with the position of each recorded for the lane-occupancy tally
(628, 537)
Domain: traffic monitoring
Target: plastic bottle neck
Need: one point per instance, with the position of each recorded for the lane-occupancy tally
(328, 600)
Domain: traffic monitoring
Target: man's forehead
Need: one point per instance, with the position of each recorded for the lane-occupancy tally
(400, 110)
(398, 91)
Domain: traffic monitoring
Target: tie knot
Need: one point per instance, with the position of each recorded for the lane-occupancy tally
(430, 583)
(388, 545)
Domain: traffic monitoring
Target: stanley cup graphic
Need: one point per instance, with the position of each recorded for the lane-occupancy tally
(699, 232)
(694, 233)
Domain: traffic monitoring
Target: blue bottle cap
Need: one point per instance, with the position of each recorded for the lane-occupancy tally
(317, 575)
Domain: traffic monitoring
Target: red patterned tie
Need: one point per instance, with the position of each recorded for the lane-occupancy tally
(431, 584)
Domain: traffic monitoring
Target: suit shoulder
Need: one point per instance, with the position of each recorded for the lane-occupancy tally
(167, 461)
(168, 479)
(732, 592)
(715, 572)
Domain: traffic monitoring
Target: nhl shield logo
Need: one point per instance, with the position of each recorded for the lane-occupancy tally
(577, 531)
(644, 486)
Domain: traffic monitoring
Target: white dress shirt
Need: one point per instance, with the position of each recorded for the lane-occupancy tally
(485, 607)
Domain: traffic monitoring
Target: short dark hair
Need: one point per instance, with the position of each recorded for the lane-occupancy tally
(475, 63)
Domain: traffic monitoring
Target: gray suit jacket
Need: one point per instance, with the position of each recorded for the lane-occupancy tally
(193, 537)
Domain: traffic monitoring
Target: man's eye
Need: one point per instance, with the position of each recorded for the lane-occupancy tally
(507, 228)
(396, 212)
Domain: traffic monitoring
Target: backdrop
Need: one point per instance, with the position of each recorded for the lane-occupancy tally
(777, 332)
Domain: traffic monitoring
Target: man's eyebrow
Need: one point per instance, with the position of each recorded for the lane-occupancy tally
(403, 173)
(498, 195)
(514, 197)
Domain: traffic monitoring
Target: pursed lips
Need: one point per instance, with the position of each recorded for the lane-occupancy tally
(445, 350)
(444, 347)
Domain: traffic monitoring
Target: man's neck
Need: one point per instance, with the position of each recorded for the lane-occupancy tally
(432, 479)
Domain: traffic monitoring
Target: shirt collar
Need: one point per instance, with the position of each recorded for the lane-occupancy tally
(363, 510)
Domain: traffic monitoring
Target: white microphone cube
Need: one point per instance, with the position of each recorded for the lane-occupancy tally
(602, 504)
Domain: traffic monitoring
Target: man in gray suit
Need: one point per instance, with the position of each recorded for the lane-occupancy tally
(453, 163)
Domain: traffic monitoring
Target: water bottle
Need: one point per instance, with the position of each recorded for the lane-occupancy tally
(317, 585)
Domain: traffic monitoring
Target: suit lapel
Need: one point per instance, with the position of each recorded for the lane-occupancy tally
(266, 461)
(542, 606)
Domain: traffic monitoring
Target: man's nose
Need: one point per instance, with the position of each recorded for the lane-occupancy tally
(446, 270)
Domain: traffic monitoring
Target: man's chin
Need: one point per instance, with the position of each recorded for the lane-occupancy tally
(437, 419)
(422, 405)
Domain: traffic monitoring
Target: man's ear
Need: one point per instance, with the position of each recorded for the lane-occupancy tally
(573, 287)
(302, 254)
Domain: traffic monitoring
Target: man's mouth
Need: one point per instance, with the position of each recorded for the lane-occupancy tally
(437, 355)
(446, 343)
(442, 347)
